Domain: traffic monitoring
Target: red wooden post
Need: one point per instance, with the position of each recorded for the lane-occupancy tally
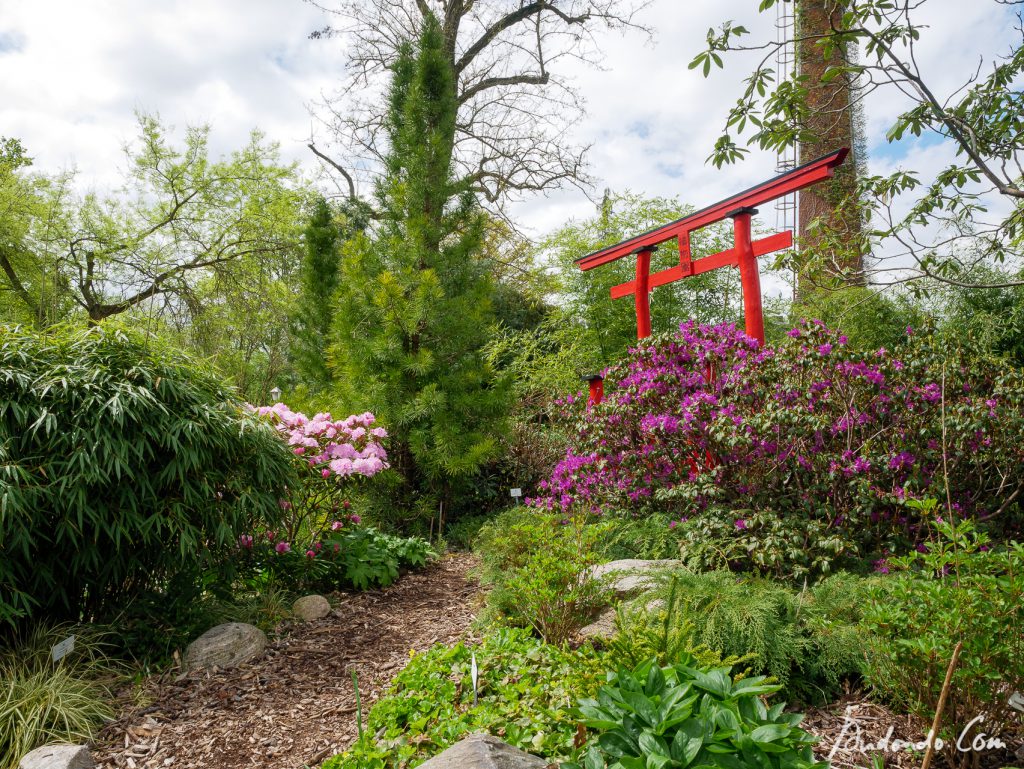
(750, 278)
(596, 382)
(642, 292)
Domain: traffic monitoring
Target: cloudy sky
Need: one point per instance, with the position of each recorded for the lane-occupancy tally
(74, 72)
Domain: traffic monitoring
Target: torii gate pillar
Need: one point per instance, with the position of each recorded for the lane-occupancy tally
(750, 276)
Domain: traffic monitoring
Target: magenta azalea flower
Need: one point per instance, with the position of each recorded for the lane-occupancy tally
(283, 547)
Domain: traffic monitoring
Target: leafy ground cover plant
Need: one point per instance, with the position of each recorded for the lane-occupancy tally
(959, 588)
(680, 715)
(526, 695)
(123, 466)
(797, 458)
(348, 556)
(42, 701)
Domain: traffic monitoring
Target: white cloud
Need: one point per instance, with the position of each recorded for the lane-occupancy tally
(74, 72)
(80, 70)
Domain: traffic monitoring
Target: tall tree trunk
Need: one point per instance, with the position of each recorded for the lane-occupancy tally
(831, 121)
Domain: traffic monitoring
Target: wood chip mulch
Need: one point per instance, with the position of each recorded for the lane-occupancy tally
(856, 723)
(853, 728)
(295, 706)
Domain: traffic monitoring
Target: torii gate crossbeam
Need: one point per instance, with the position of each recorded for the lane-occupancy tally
(743, 254)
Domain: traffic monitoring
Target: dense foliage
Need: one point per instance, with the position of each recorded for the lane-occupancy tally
(525, 695)
(799, 457)
(809, 641)
(959, 589)
(348, 556)
(122, 467)
(681, 715)
(537, 568)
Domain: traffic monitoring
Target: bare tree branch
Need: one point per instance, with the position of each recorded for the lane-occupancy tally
(338, 168)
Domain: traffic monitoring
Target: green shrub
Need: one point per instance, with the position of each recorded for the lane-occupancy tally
(42, 701)
(809, 641)
(650, 538)
(352, 556)
(680, 716)
(121, 466)
(796, 459)
(526, 693)
(537, 565)
(958, 590)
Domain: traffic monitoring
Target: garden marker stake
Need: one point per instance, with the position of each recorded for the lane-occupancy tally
(743, 254)
(942, 705)
(474, 675)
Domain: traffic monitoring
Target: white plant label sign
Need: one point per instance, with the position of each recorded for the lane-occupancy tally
(517, 493)
(63, 649)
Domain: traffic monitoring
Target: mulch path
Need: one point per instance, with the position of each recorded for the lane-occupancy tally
(295, 706)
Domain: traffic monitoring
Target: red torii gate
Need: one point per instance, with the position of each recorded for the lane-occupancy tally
(743, 254)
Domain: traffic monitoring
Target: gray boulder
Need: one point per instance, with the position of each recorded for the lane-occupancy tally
(482, 751)
(225, 646)
(311, 607)
(602, 627)
(58, 757)
(630, 576)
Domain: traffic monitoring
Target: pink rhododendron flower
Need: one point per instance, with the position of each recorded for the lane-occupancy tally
(245, 541)
(310, 554)
(355, 519)
(337, 525)
(282, 547)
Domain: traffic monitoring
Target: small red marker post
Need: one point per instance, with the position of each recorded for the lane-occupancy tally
(596, 382)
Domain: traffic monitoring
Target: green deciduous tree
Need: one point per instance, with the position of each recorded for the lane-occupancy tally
(31, 291)
(415, 297)
(180, 218)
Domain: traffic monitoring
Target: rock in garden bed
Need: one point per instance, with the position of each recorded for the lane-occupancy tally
(482, 751)
(58, 757)
(631, 576)
(311, 607)
(225, 646)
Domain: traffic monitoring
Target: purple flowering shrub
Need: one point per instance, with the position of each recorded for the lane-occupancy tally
(795, 458)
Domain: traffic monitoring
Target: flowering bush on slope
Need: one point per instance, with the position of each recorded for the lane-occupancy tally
(320, 543)
(329, 455)
(792, 458)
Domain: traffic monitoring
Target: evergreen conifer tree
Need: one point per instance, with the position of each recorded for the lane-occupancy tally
(415, 298)
(315, 312)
